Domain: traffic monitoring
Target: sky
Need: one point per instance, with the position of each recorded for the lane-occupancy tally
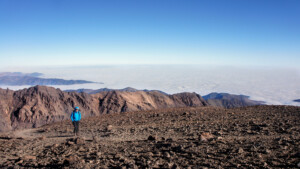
(96, 32)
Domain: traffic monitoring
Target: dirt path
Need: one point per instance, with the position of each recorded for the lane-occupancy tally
(26, 133)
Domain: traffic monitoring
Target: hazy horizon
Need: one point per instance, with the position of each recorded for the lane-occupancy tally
(274, 86)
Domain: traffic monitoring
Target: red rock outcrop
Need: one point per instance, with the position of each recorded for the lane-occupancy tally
(41, 105)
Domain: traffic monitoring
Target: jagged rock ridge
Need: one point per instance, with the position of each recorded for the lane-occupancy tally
(94, 91)
(41, 105)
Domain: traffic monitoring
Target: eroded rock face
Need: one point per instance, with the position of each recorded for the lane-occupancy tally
(40, 105)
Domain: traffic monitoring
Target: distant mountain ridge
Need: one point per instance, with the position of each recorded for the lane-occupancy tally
(227, 100)
(127, 89)
(18, 79)
(34, 74)
(224, 100)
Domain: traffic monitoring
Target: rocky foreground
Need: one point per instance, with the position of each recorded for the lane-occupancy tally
(203, 137)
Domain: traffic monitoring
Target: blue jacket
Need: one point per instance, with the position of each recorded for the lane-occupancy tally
(76, 116)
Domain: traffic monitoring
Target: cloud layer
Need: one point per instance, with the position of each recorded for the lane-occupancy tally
(274, 86)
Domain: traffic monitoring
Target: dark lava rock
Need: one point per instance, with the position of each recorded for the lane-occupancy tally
(151, 138)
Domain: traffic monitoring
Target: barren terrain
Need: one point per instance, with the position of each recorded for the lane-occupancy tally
(198, 137)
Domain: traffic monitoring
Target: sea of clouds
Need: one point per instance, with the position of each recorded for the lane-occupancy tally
(279, 86)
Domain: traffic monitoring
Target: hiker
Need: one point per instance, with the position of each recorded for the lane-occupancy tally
(75, 117)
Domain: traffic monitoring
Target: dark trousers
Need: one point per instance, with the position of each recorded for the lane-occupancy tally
(76, 126)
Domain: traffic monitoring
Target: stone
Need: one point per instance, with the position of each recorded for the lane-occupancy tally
(109, 128)
(70, 143)
(241, 150)
(70, 160)
(206, 137)
(29, 157)
(186, 113)
(151, 138)
(166, 154)
(20, 161)
(55, 145)
(95, 139)
(99, 154)
(169, 140)
(268, 151)
(42, 138)
(79, 140)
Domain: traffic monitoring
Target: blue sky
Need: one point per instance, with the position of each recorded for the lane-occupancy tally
(95, 32)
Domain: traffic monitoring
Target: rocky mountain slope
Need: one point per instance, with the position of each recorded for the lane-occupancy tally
(224, 100)
(41, 105)
(199, 137)
(230, 100)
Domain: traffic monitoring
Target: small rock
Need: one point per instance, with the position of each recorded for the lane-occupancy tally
(186, 113)
(19, 161)
(70, 143)
(175, 167)
(109, 128)
(206, 137)
(42, 138)
(151, 138)
(169, 165)
(169, 140)
(240, 151)
(149, 154)
(259, 156)
(55, 145)
(99, 154)
(28, 157)
(95, 139)
(268, 151)
(166, 154)
(70, 160)
(79, 140)
(275, 163)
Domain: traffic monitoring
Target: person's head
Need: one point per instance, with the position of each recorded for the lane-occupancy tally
(76, 109)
